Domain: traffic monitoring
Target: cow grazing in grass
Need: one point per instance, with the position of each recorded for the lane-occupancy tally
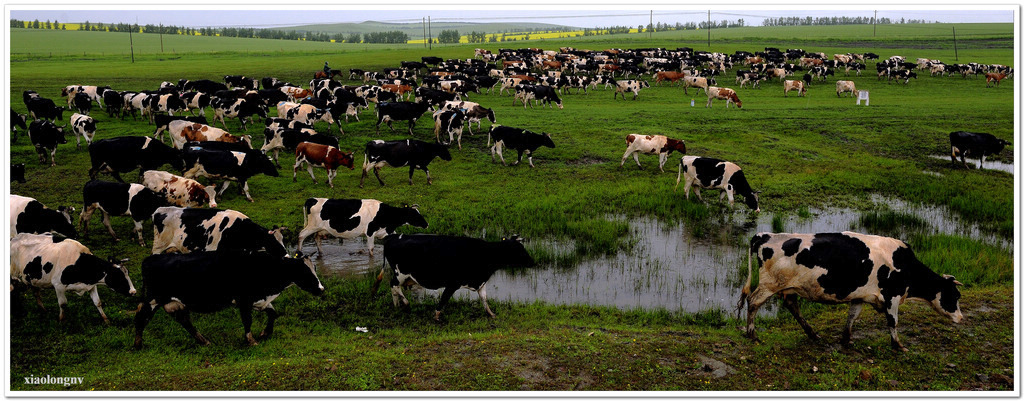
(82, 103)
(518, 139)
(41, 108)
(846, 86)
(196, 101)
(726, 94)
(436, 261)
(43, 261)
(798, 86)
(328, 157)
(211, 281)
(183, 131)
(354, 218)
(84, 127)
(450, 123)
(972, 144)
(844, 267)
(31, 216)
(708, 173)
(409, 152)
(227, 165)
(660, 145)
(163, 122)
(45, 136)
(236, 108)
(119, 199)
(395, 111)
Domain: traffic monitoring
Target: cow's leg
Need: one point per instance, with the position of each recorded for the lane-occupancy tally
(106, 223)
(278, 163)
(529, 157)
(662, 158)
(183, 318)
(376, 173)
(430, 181)
(369, 245)
(223, 188)
(246, 312)
(445, 296)
(318, 239)
(396, 292)
(754, 302)
(53, 157)
(39, 297)
(83, 219)
(891, 319)
(792, 303)
(62, 301)
(981, 163)
(142, 318)
(330, 179)
(309, 168)
(295, 169)
(483, 299)
(268, 330)
(519, 157)
(138, 231)
(245, 189)
(95, 295)
(855, 308)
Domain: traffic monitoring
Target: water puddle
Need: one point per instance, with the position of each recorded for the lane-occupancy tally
(989, 163)
(669, 267)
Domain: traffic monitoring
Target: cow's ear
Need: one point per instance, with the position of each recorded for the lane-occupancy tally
(415, 207)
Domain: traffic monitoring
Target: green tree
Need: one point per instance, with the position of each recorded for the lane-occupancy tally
(353, 38)
(35, 24)
(448, 36)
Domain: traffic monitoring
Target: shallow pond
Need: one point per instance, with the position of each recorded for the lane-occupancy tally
(669, 267)
(989, 163)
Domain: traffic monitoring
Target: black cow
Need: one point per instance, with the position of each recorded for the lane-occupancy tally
(706, 172)
(547, 95)
(844, 267)
(227, 165)
(127, 153)
(273, 83)
(18, 172)
(272, 96)
(162, 121)
(207, 282)
(434, 97)
(353, 218)
(31, 216)
(119, 199)
(44, 109)
(82, 102)
(114, 103)
(45, 136)
(394, 111)
(241, 81)
(974, 144)
(401, 153)
(437, 261)
(519, 139)
(432, 60)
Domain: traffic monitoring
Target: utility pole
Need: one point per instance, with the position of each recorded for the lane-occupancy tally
(430, 40)
(131, 42)
(161, 38)
(955, 53)
(709, 29)
(874, 23)
(424, 31)
(650, 26)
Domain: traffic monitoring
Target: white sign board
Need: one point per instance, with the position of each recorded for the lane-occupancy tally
(863, 95)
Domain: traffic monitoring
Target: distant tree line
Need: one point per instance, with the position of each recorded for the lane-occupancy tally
(794, 21)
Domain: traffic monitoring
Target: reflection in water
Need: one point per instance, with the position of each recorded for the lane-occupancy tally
(989, 163)
(669, 267)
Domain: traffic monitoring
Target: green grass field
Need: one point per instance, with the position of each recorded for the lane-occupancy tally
(816, 151)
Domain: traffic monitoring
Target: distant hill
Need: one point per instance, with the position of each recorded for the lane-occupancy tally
(415, 30)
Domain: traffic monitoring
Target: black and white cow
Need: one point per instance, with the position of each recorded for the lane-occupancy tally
(185, 230)
(31, 216)
(196, 101)
(18, 172)
(628, 85)
(211, 281)
(228, 166)
(401, 153)
(354, 218)
(519, 139)
(437, 261)
(84, 127)
(396, 111)
(127, 153)
(82, 103)
(547, 95)
(434, 97)
(450, 123)
(202, 85)
(289, 139)
(42, 261)
(119, 199)
(41, 108)
(844, 267)
(241, 81)
(17, 121)
(169, 103)
(235, 108)
(706, 172)
(45, 136)
(974, 144)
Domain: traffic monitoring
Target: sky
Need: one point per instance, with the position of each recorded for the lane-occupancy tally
(203, 16)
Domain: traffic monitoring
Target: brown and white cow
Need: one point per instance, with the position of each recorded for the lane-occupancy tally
(661, 145)
(845, 267)
(179, 191)
(990, 76)
(318, 155)
(846, 86)
(696, 82)
(798, 86)
(726, 94)
(182, 131)
(672, 76)
(295, 93)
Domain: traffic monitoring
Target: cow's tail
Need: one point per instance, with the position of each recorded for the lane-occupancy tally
(745, 291)
(679, 176)
(380, 276)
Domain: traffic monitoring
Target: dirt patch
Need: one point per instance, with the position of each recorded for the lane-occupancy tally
(587, 161)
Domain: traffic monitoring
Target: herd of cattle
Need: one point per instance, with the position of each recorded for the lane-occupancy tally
(248, 265)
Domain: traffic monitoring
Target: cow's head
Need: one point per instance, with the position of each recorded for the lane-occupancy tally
(752, 201)
(18, 172)
(116, 277)
(442, 152)
(413, 217)
(514, 253)
(344, 159)
(545, 140)
(947, 298)
(63, 225)
(303, 274)
(60, 134)
(264, 164)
